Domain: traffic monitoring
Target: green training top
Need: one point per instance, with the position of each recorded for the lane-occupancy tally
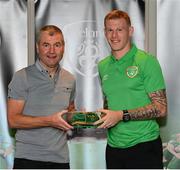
(126, 83)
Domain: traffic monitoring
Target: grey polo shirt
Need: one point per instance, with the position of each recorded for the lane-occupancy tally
(43, 96)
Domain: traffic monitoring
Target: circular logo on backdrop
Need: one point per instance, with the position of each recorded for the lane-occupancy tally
(87, 56)
(83, 47)
(132, 71)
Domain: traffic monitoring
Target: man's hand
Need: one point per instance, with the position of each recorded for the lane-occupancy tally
(57, 121)
(110, 119)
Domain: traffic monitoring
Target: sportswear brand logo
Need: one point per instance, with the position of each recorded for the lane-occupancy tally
(105, 77)
(132, 71)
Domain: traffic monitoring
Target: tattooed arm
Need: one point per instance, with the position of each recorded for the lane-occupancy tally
(158, 107)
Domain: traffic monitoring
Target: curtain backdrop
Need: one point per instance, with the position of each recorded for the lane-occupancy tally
(168, 51)
(82, 24)
(13, 56)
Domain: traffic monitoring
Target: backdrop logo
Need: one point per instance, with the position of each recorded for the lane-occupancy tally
(83, 47)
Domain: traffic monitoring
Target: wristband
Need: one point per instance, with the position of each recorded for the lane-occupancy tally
(126, 116)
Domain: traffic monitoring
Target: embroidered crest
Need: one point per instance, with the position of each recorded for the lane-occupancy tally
(132, 71)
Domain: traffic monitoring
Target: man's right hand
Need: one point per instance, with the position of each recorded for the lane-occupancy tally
(57, 121)
(110, 119)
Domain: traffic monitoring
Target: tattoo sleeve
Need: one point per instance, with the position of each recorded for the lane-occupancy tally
(157, 108)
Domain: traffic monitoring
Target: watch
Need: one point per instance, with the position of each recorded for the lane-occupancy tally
(126, 116)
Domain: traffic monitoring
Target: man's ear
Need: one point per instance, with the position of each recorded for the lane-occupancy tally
(37, 47)
(131, 31)
(105, 31)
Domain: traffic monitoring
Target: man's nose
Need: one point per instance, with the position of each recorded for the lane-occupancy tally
(52, 49)
(114, 34)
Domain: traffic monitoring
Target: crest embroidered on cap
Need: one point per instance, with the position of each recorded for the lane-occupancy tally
(132, 71)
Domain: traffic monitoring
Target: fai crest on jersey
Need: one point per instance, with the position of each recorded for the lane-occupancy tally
(132, 71)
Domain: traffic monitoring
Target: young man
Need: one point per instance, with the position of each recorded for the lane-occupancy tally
(38, 96)
(134, 89)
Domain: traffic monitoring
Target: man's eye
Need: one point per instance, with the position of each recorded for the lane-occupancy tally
(119, 30)
(58, 45)
(109, 30)
(45, 45)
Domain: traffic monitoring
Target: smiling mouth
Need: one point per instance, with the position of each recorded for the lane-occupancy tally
(115, 41)
(51, 57)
